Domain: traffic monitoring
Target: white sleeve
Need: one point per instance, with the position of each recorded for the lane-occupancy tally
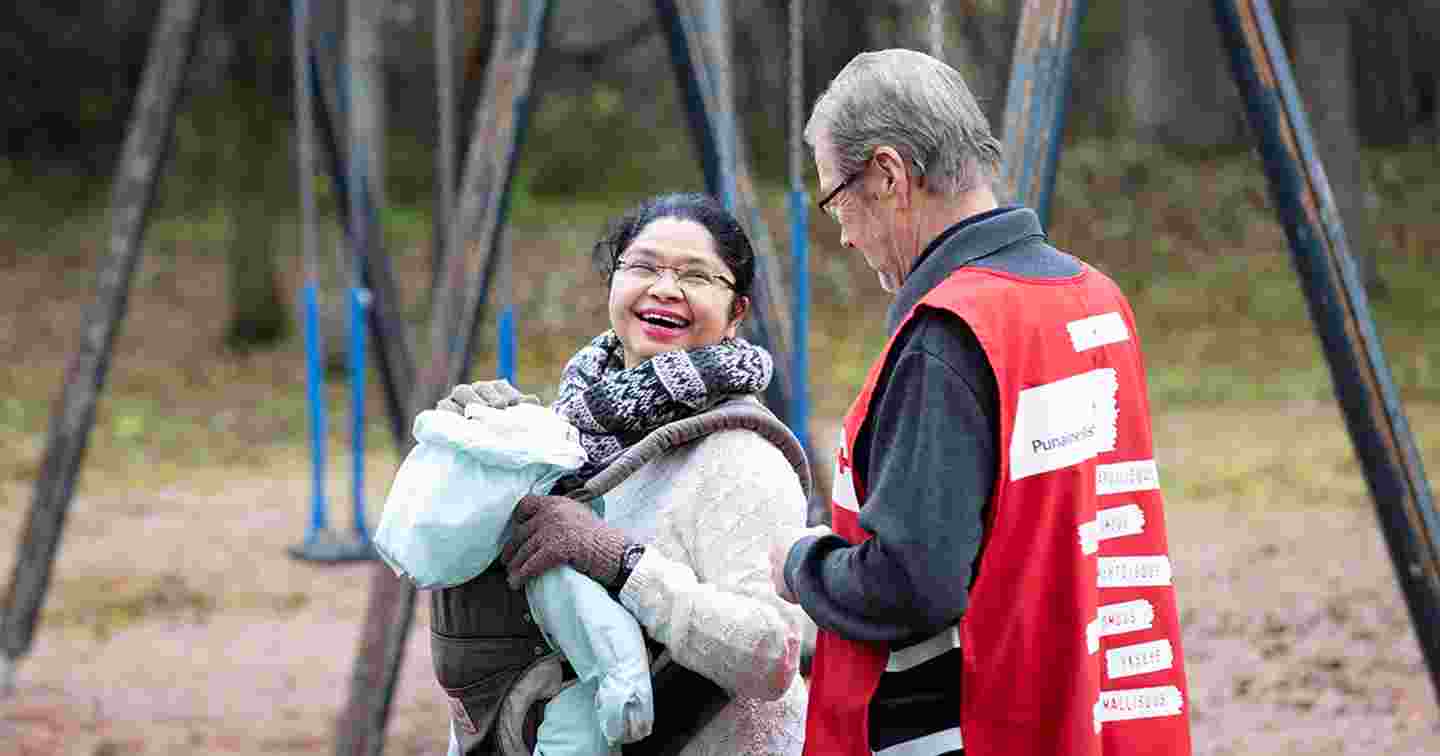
(719, 614)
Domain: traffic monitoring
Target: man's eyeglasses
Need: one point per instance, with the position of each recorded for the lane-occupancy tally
(690, 280)
(824, 203)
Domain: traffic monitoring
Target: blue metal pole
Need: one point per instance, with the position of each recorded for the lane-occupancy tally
(799, 236)
(315, 394)
(800, 315)
(506, 343)
(314, 346)
(359, 310)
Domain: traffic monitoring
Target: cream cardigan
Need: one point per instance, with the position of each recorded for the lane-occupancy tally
(707, 512)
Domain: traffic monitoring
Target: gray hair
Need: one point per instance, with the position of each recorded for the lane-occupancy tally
(914, 103)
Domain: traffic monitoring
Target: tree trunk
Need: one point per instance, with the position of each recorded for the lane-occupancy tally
(1178, 86)
(1321, 55)
(259, 316)
(1385, 105)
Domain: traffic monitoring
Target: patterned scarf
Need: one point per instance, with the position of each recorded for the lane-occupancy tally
(614, 406)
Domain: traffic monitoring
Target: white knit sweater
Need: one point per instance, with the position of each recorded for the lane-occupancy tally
(707, 512)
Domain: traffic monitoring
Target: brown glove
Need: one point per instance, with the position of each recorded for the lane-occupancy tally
(548, 531)
(498, 394)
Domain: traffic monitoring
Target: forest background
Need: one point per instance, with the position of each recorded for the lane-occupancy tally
(196, 477)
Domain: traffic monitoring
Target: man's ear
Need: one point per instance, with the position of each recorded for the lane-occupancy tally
(896, 173)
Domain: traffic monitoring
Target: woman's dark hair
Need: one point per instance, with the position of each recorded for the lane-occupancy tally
(731, 243)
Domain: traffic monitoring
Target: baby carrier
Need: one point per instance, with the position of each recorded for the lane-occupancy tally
(495, 666)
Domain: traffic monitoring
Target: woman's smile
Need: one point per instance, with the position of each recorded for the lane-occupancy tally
(661, 324)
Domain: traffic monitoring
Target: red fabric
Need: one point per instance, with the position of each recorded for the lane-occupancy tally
(1032, 684)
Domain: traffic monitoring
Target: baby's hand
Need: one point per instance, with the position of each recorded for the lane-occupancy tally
(497, 394)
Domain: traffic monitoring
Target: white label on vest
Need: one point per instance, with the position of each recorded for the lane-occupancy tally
(1063, 423)
(1126, 617)
(842, 487)
(1092, 635)
(1124, 477)
(1138, 703)
(1133, 571)
(1112, 522)
(1137, 659)
(1097, 331)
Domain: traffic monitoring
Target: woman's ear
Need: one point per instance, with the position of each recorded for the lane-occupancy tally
(738, 310)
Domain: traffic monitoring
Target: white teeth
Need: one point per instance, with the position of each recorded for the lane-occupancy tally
(665, 321)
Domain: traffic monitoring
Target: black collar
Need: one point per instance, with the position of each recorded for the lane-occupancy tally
(971, 239)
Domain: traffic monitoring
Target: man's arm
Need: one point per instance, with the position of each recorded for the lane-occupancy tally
(930, 470)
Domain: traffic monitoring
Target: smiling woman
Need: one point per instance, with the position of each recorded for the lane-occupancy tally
(683, 541)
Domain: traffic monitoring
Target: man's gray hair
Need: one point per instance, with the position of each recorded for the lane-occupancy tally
(914, 103)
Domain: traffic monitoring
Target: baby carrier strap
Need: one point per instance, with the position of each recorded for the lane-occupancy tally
(488, 654)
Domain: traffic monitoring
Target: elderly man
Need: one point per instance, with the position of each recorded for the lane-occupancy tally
(997, 579)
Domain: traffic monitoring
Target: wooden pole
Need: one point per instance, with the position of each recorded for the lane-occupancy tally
(1035, 102)
(445, 154)
(142, 161)
(1335, 294)
(365, 181)
(499, 130)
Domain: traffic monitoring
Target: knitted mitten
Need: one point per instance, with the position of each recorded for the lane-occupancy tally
(547, 531)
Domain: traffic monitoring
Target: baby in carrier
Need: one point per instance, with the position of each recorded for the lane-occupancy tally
(444, 522)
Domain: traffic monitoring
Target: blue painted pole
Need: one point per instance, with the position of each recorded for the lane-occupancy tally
(506, 343)
(315, 393)
(1336, 297)
(799, 235)
(800, 315)
(359, 311)
(687, 78)
(309, 240)
(1035, 101)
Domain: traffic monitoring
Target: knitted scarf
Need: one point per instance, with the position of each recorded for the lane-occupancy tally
(614, 406)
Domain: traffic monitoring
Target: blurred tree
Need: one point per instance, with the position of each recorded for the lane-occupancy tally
(1321, 54)
(1177, 79)
(1394, 46)
(70, 69)
(258, 167)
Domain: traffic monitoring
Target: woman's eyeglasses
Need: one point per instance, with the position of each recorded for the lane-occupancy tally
(690, 280)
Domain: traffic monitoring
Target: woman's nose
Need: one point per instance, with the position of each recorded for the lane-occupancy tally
(665, 285)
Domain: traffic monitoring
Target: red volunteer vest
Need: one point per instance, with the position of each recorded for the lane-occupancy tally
(1071, 642)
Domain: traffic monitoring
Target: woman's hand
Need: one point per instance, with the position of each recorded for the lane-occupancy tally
(498, 394)
(548, 531)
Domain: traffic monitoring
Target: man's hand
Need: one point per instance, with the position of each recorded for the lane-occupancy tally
(548, 531)
(498, 394)
(780, 551)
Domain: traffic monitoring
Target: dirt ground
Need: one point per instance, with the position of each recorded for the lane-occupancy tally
(170, 631)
